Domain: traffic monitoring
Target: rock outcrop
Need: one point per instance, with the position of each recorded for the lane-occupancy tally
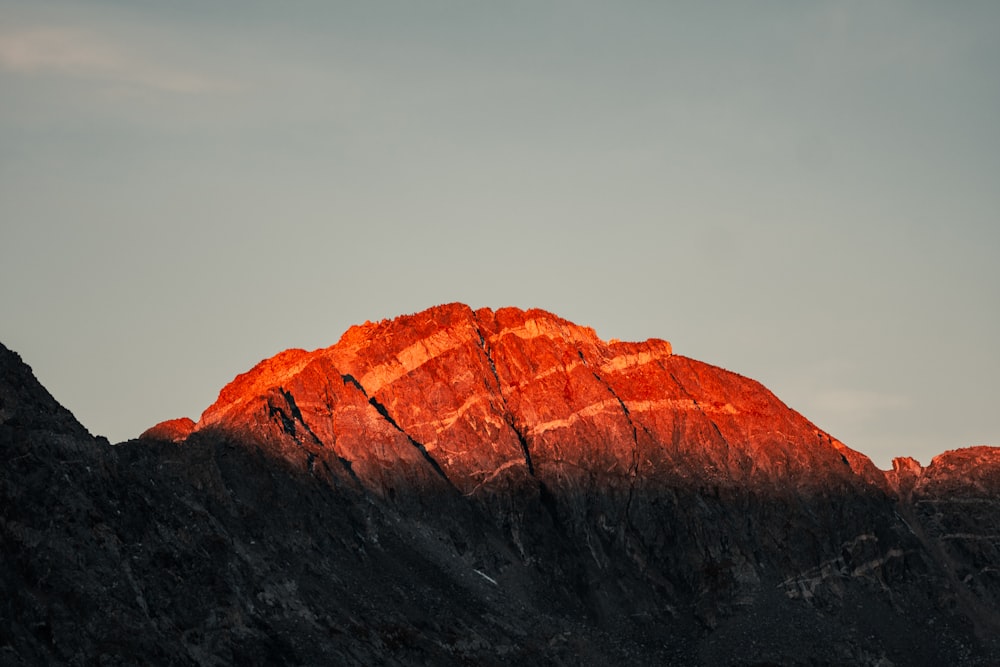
(172, 430)
(487, 487)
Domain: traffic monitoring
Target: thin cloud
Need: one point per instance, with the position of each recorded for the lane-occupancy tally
(84, 55)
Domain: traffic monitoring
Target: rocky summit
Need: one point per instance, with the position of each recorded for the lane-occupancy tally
(485, 487)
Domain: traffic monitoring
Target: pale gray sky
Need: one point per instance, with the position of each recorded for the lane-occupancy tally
(803, 193)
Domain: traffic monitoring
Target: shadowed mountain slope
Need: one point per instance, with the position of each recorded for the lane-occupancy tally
(483, 487)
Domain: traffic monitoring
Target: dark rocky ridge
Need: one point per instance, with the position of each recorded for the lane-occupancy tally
(312, 517)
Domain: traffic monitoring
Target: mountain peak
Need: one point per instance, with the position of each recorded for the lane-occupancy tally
(485, 397)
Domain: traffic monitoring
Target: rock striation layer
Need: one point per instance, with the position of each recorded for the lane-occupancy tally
(486, 398)
(467, 486)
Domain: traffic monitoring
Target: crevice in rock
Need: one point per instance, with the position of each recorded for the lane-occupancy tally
(634, 467)
(384, 412)
(277, 413)
(349, 467)
(288, 419)
(508, 415)
(288, 423)
(350, 379)
(297, 415)
(694, 402)
(524, 447)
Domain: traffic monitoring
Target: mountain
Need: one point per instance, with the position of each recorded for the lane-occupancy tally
(492, 398)
(487, 487)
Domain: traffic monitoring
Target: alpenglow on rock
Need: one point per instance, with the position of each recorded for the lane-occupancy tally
(480, 398)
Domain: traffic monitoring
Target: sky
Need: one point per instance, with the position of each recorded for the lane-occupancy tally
(803, 193)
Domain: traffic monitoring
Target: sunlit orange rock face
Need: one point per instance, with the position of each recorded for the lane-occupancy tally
(172, 430)
(477, 399)
(962, 472)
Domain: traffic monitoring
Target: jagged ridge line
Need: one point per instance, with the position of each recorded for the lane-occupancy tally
(440, 342)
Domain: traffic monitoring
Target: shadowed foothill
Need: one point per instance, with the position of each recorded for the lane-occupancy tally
(465, 486)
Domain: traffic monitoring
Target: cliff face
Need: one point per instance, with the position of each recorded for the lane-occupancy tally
(487, 487)
(489, 398)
